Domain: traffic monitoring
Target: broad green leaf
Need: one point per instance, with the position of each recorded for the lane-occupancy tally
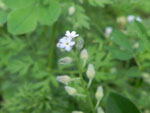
(122, 48)
(119, 104)
(133, 72)
(120, 53)
(22, 21)
(100, 3)
(121, 40)
(48, 14)
(19, 3)
(3, 17)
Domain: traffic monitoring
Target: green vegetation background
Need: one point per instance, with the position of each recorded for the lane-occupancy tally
(29, 31)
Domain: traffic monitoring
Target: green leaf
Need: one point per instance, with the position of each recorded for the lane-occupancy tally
(133, 72)
(48, 14)
(119, 104)
(100, 3)
(3, 17)
(121, 40)
(22, 21)
(19, 3)
(120, 53)
(122, 48)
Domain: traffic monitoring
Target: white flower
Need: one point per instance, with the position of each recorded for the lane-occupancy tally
(131, 18)
(71, 91)
(64, 79)
(99, 93)
(71, 10)
(138, 19)
(65, 60)
(66, 43)
(71, 34)
(100, 110)
(108, 31)
(90, 71)
(77, 112)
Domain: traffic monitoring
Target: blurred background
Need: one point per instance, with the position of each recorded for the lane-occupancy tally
(115, 33)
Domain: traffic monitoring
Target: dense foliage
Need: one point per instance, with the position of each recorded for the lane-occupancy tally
(29, 32)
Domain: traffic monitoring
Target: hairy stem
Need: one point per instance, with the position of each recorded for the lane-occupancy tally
(84, 84)
(52, 46)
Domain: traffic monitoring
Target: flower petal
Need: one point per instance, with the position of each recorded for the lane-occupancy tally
(68, 33)
(62, 45)
(68, 48)
(72, 43)
(73, 33)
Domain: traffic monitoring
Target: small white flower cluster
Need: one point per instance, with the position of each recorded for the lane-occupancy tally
(132, 18)
(67, 42)
(82, 61)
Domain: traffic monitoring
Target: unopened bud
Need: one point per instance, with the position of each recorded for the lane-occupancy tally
(2, 5)
(71, 10)
(146, 77)
(90, 71)
(136, 45)
(99, 93)
(64, 79)
(84, 54)
(65, 60)
(100, 110)
(81, 1)
(122, 21)
(80, 43)
(77, 112)
(108, 31)
(71, 91)
(147, 111)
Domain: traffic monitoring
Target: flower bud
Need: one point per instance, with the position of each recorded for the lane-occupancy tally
(99, 93)
(71, 10)
(84, 54)
(136, 45)
(2, 5)
(80, 43)
(77, 112)
(65, 60)
(100, 110)
(71, 91)
(64, 79)
(122, 22)
(108, 31)
(146, 77)
(90, 71)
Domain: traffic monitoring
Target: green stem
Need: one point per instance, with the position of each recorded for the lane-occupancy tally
(97, 104)
(84, 85)
(52, 46)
